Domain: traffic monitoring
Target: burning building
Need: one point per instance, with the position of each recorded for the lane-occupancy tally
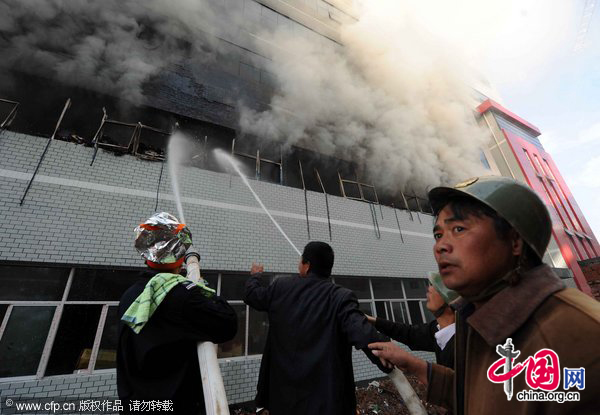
(341, 146)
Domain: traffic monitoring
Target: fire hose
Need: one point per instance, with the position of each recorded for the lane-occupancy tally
(215, 398)
(408, 394)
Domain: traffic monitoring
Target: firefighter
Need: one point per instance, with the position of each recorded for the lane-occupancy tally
(162, 317)
(490, 237)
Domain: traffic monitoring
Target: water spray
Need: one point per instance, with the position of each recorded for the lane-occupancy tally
(215, 398)
(220, 154)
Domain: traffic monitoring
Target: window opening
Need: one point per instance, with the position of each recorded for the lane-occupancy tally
(429, 317)
(257, 166)
(235, 347)
(360, 286)
(258, 326)
(150, 143)
(115, 135)
(414, 310)
(72, 350)
(8, 111)
(23, 340)
(381, 310)
(356, 190)
(107, 354)
(399, 311)
(387, 288)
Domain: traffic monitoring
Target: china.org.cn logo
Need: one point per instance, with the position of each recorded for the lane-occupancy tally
(542, 374)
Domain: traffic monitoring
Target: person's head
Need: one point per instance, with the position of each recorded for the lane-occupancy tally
(162, 241)
(317, 258)
(485, 228)
(438, 295)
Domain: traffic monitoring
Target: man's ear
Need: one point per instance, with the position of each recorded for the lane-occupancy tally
(517, 244)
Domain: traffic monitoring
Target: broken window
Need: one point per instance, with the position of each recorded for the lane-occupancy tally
(259, 159)
(115, 135)
(352, 188)
(150, 143)
(206, 138)
(8, 110)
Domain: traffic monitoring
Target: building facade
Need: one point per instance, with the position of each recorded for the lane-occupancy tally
(79, 170)
(518, 153)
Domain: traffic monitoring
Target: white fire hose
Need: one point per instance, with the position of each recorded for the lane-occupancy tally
(408, 394)
(215, 398)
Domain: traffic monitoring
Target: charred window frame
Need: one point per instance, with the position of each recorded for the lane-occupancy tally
(262, 164)
(366, 192)
(103, 139)
(144, 142)
(10, 109)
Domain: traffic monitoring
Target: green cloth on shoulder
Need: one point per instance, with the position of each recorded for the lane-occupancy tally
(144, 306)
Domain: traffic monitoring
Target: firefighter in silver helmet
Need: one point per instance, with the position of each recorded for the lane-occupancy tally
(521, 336)
(162, 317)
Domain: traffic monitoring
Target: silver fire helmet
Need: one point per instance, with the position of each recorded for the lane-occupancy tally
(162, 239)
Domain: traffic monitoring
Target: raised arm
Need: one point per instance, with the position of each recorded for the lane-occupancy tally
(257, 295)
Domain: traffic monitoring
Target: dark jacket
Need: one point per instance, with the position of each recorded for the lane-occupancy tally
(161, 362)
(418, 337)
(536, 313)
(306, 366)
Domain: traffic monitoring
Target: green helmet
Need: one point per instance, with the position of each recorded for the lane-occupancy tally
(446, 293)
(518, 204)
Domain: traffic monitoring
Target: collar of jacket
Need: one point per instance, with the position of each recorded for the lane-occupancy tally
(315, 275)
(510, 308)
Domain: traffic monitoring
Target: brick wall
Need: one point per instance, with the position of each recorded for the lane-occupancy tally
(240, 376)
(79, 214)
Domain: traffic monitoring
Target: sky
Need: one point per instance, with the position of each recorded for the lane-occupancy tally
(543, 59)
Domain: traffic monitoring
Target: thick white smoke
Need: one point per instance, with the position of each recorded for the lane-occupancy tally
(393, 99)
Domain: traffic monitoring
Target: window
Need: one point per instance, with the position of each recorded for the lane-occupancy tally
(74, 341)
(69, 323)
(414, 308)
(32, 283)
(387, 288)
(100, 284)
(113, 134)
(415, 287)
(23, 340)
(260, 160)
(236, 346)
(354, 189)
(484, 160)
(8, 110)
(360, 286)
(150, 143)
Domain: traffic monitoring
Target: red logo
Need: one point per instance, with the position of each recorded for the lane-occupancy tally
(543, 369)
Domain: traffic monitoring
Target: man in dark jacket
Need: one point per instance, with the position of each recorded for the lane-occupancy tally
(307, 362)
(436, 336)
(156, 355)
(490, 237)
